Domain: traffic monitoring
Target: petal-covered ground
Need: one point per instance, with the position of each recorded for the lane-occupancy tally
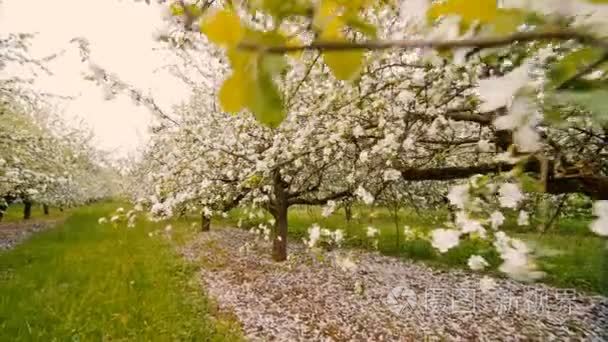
(321, 297)
(12, 234)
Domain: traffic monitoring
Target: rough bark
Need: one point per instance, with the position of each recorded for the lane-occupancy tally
(45, 209)
(27, 210)
(280, 208)
(593, 186)
(205, 223)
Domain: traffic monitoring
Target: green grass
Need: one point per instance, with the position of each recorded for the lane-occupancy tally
(87, 282)
(571, 255)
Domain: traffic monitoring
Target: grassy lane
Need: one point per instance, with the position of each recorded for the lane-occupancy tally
(88, 282)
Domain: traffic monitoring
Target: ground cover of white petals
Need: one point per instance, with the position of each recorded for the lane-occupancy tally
(322, 297)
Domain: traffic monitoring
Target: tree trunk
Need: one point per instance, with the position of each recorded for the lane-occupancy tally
(348, 212)
(396, 221)
(279, 238)
(27, 210)
(61, 209)
(3, 208)
(205, 223)
(45, 208)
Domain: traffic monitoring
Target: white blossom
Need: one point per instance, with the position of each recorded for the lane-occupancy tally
(523, 219)
(497, 219)
(600, 225)
(372, 232)
(314, 234)
(468, 226)
(364, 195)
(329, 208)
(517, 262)
(477, 263)
(509, 195)
(445, 239)
(496, 92)
(459, 195)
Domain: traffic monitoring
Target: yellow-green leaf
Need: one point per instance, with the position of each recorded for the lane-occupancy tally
(482, 11)
(233, 94)
(362, 26)
(325, 12)
(241, 61)
(344, 65)
(508, 20)
(223, 28)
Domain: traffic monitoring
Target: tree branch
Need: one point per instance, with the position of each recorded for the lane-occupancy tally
(489, 42)
(595, 187)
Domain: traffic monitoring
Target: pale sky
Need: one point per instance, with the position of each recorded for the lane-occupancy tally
(121, 37)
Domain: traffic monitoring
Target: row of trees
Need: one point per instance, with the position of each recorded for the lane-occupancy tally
(42, 159)
(512, 97)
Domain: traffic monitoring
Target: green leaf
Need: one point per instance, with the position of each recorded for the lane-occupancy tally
(223, 28)
(594, 101)
(267, 102)
(530, 184)
(274, 63)
(572, 63)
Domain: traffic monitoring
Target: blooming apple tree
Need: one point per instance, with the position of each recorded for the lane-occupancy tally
(508, 96)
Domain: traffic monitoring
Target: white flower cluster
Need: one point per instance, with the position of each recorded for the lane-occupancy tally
(364, 195)
(600, 225)
(477, 263)
(318, 235)
(262, 230)
(120, 216)
(445, 239)
(329, 208)
(516, 256)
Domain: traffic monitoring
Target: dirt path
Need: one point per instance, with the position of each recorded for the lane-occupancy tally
(13, 233)
(383, 299)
